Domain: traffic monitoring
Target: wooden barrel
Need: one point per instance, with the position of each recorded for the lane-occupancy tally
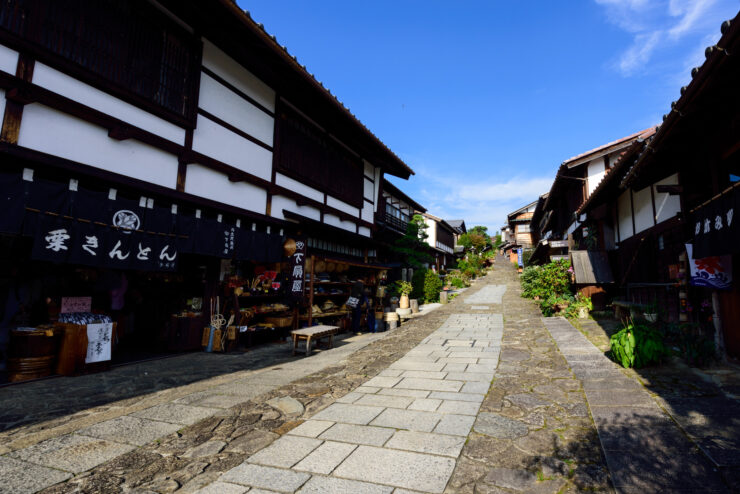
(32, 354)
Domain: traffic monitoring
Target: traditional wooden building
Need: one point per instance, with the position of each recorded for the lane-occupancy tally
(557, 224)
(441, 240)
(171, 136)
(517, 230)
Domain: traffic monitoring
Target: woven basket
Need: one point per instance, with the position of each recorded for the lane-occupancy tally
(280, 322)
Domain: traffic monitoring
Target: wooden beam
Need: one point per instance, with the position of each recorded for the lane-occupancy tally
(15, 100)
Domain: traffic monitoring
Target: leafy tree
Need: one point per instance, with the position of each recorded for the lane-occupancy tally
(476, 239)
(412, 247)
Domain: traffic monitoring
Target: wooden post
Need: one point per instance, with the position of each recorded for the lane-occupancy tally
(310, 294)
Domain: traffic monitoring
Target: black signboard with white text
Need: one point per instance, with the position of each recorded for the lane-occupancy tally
(716, 232)
(297, 275)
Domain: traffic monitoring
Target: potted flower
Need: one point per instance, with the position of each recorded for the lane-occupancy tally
(404, 289)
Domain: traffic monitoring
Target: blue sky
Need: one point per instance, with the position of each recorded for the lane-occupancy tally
(484, 99)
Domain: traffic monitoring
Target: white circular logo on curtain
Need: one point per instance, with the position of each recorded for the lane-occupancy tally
(126, 220)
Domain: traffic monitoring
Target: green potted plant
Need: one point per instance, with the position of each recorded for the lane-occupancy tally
(404, 288)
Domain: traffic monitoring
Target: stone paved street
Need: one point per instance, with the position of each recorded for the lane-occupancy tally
(482, 395)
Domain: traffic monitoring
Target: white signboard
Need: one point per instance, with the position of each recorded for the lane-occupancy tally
(99, 338)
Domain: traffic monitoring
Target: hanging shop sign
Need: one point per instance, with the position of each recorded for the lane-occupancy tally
(75, 304)
(63, 240)
(710, 272)
(520, 257)
(99, 337)
(716, 232)
(297, 277)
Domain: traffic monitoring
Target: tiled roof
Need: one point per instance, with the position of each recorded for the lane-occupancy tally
(619, 165)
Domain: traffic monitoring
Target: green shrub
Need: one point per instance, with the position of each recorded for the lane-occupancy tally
(417, 281)
(455, 278)
(432, 286)
(637, 346)
(543, 281)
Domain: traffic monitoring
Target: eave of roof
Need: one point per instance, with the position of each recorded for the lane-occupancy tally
(395, 191)
(393, 164)
(588, 156)
(715, 55)
(523, 208)
(615, 172)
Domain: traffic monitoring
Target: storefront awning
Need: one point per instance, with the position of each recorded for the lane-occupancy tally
(591, 267)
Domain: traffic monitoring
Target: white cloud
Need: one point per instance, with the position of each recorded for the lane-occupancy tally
(478, 202)
(659, 25)
(639, 53)
(690, 12)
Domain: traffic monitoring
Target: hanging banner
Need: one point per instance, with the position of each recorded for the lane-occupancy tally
(520, 257)
(710, 272)
(297, 274)
(715, 231)
(99, 338)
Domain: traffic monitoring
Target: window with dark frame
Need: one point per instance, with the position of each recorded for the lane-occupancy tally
(125, 47)
(308, 154)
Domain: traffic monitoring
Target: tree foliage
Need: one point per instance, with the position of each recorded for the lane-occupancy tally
(412, 246)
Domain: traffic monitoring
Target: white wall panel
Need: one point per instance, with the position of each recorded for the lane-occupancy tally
(666, 205)
(59, 134)
(369, 169)
(367, 212)
(70, 87)
(596, 172)
(378, 176)
(297, 186)
(220, 143)
(222, 102)
(227, 68)
(2, 102)
(281, 202)
(364, 231)
(342, 206)
(8, 60)
(624, 207)
(204, 182)
(369, 189)
(643, 203)
(332, 220)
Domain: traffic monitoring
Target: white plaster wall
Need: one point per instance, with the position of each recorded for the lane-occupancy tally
(643, 203)
(73, 89)
(8, 60)
(369, 169)
(367, 212)
(297, 186)
(595, 173)
(222, 102)
(59, 134)
(431, 231)
(342, 206)
(227, 68)
(378, 176)
(332, 220)
(666, 205)
(624, 208)
(369, 189)
(204, 182)
(2, 102)
(220, 143)
(364, 231)
(281, 202)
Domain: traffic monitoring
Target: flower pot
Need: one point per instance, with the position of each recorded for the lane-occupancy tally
(582, 312)
(561, 307)
(403, 302)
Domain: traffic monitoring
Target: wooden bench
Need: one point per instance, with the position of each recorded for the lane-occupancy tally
(313, 333)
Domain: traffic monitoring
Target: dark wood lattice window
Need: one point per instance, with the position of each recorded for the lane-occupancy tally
(307, 154)
(126, 47)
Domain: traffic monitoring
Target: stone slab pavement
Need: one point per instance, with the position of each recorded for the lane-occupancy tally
(402, 429)
(645, 448)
